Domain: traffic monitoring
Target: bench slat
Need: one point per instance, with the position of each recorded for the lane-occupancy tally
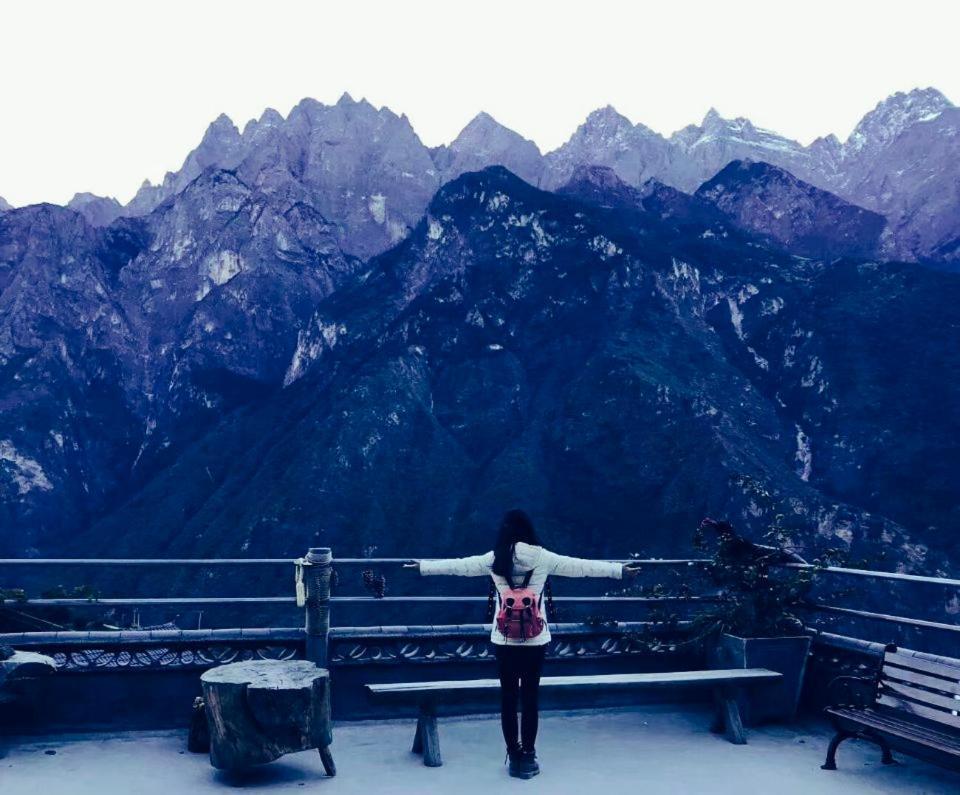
(923, 696)
(919, 710)
(910, 662)
(903, 675)
(668, 679)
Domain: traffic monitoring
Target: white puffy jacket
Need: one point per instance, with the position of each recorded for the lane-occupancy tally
(542, 562)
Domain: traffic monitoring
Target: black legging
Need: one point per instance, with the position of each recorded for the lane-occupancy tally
(520, 668)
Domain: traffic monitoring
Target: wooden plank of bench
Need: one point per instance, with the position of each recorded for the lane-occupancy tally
(725, 682)
(894, 723)
(900, 727)
(613, 681)
(903, 675)
(923, 696)
(902, 660)
(947, 718)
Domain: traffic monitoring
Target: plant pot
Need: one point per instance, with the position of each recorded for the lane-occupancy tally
(786, 655)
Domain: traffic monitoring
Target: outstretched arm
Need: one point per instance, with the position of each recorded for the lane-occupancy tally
(563, 566)
(473, 566)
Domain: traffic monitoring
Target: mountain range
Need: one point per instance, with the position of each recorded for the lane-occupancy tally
(320, 330)
(367, 172)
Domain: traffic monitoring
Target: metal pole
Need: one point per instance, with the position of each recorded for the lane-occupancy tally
(316, 579)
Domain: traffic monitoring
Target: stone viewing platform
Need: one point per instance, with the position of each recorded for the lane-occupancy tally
(655, 749)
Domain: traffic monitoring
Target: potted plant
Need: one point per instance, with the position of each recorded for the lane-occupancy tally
(753, 622)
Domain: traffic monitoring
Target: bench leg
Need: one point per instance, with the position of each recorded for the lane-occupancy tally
(716, 725)
(887, 758)
(327, 758)
(839, 737)
(726, 699)
(429, 736)
(418, 738)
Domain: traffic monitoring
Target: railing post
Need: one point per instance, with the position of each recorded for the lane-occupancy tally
(316, 579)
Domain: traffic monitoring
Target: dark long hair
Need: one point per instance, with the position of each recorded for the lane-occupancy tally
(515, 526)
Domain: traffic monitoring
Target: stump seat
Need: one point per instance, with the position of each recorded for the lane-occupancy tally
(21, 668)
(259, 710)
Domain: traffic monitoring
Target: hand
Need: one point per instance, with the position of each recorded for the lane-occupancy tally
(631, 569)
(412, 564)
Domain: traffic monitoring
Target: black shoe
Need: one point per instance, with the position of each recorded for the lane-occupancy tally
(523, 764)
(530, 757)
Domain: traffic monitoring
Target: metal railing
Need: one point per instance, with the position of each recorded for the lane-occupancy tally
(315, 635)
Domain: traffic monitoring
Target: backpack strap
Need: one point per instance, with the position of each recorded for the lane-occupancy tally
(526, 578)
(548, 590)
(491, 600)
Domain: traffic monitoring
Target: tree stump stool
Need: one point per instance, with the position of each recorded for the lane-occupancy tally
(260, 710)
(20, 671)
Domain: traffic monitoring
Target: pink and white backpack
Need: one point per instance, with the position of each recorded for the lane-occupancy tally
(519, 617)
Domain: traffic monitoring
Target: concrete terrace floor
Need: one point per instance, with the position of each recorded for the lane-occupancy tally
(660, 749)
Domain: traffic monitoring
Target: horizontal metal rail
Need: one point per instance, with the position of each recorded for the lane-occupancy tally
(275, 561)
(901, 620)
(154, 637)
(483, 630)
(871, 648)
(146, 561)
(201, 562)
(238, 600)
(879, 575)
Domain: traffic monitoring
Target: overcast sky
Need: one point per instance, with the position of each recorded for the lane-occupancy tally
(98, 96)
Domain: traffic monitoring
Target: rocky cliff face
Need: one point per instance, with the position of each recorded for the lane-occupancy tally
(805, 220)
(119, 345)
(913, 181)
(5, 205)
(595, 364)
(363, 169)
(68, 358)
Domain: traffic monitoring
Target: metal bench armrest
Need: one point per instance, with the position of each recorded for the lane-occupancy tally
(852, 691)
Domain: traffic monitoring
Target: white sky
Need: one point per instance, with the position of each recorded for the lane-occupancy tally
(99, 95)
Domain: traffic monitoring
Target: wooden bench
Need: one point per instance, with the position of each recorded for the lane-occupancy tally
(726, 684)
(912, 705)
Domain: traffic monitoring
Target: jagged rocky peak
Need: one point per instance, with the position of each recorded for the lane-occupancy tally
(769, 201)
(486, 142)
(720, 131)
(269, 119)
(600, 185)
(5, 205)
(714, 122)
(98, 210)
(605, 121)
(606, 126)
(633, 151)
(220, 139)
(894, 115)
(484, 134)
(597, 176)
